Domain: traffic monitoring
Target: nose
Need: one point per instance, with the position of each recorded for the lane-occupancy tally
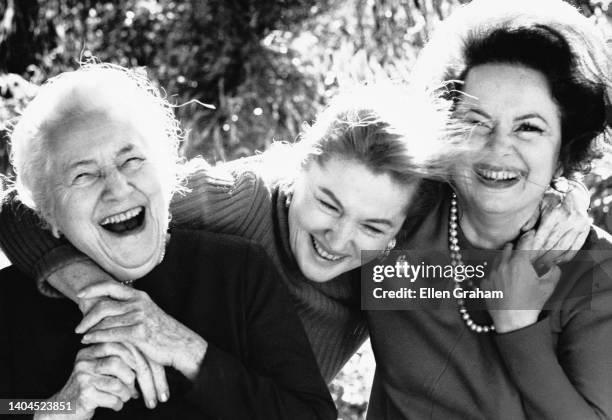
(116, 185)
(340, 237)
(499, 140)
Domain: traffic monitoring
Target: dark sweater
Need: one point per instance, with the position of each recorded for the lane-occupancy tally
(431, 366)
(258, 364)
(231, 199)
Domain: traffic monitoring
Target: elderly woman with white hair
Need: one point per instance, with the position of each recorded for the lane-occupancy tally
(95, 155)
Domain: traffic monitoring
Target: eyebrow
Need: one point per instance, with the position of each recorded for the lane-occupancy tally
(85, 162)
(126, 149)
(477, 111)
(532, 115)
(332, 196)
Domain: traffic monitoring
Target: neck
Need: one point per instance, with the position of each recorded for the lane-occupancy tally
(491, 230)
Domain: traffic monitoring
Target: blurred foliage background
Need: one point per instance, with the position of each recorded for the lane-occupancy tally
(266, 66)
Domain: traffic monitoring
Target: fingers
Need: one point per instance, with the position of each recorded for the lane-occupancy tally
(88, 375)
(112, 384)
(525, 242)
(107, 322)
(530, 224)
(114, 366)
(544, 262)
(547, 231)
(553, 276)
(111, 359)
(106, 350)
(159, 379)
(118, 334)
(110, 289)
(93, 398)
(144, 375)
(112, 387)
(85, 305)
(102, 309)
(552, 198)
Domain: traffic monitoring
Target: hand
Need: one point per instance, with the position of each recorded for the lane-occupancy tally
(132, 317)
(563, 229)
(102, 377)
(525, 293)
(151, 375)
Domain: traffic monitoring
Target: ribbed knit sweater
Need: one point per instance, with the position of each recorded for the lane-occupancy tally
(230, 199)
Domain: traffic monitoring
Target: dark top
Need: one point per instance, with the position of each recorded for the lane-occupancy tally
(258, 363)
(431, 366)
(231, 198)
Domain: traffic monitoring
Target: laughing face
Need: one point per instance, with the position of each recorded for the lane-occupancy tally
(338, 209)
(107, 198)
(516, 128)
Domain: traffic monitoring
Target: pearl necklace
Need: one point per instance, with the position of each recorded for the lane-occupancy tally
(456, 260)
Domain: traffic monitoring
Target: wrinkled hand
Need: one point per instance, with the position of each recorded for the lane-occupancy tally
(102, 377)
(563, 228)
(77, 276)
(151, 375)
(525, 293)
(132, 317)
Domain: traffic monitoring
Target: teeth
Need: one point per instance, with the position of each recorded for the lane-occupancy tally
(498, 175)
(322, 253)
(122, 217)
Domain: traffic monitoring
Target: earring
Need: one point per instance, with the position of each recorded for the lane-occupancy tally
(55, 232)
(389, 247)
(288, 199)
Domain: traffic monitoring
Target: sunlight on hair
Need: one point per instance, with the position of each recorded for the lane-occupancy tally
(95, 87)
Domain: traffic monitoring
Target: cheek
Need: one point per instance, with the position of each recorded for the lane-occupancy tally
(74, 208)
(148, 182)
(365, 243)
(541, 159)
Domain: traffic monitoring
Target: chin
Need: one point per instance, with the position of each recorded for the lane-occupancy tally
(131, 270)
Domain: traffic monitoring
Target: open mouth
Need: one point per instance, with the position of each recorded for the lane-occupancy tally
(124, 222)
(497, 177)
(322, 253)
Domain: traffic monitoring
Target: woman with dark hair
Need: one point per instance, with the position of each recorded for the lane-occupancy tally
(300, 202)
(313, 221)
(530, 81)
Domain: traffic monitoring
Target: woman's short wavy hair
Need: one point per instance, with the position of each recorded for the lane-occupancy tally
(549, 36)
(399, 131)
(76, 94)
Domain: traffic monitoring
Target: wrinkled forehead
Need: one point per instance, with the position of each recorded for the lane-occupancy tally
(93, 124)
(94, 139)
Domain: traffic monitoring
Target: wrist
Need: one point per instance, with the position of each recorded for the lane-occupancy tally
(191, 355)
(506, 321)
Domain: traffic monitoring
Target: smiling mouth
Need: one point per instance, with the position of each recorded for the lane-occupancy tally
(497, 177)
(124, 222)
(322, 253)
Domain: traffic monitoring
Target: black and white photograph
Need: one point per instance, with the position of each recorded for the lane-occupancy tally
(306, 209)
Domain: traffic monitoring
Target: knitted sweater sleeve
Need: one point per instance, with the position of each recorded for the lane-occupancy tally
(570, 379)
(30, 247)
(216, 199)
(219, 199)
